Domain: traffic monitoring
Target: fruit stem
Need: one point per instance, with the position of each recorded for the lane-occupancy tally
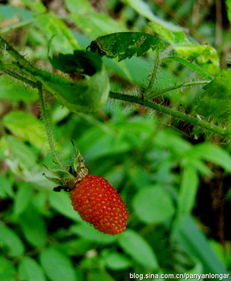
(47, 124)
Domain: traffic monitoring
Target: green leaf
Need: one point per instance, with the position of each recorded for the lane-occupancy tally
(88, 232)
(153, 205)
(169, 31)
(22, 198)
(79, 62)
(9, 12)
(214, 154)
(187, 234)
(57, 266)
(95, 24)
(126, 44)
(10, 239)
(28, 127)
(54, 29)
(5, 188)
(135, 246)
(61, 202)
(33, 227)
(214, 102)
(15, 91)
(7, 271)
(188, 190)
(115, 261)
(36, 6)
(30, 270)
(204, 55)
(228, 4)
(79, 7)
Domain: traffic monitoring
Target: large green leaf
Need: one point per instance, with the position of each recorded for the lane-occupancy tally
(27, 127)
(212, 153)
(188, 190)
(57, 266)
(10, 240)
(90, 22)
(7, 270)
(30, 270)
(153, 205)
(135, 246)
(126, 44)
(169, 31)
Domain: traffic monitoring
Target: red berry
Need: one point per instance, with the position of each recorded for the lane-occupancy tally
(100, 204)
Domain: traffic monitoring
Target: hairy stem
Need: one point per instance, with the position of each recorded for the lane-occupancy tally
(154, 73)
(47, 124)
(171, 112)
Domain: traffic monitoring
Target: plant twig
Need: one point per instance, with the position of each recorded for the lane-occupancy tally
(171, 112)
(178, 86)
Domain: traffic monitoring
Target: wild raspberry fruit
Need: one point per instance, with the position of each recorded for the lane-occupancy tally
(100, 204)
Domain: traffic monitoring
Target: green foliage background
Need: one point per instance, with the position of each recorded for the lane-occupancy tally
(159, 165)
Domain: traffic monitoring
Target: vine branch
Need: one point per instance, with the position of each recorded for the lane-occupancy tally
(171, 112)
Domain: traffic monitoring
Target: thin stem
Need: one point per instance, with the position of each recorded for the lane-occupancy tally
(183, 85)
(47, 124)
(18, 76)
(171, 112)
(5, 45)
(154, 73)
